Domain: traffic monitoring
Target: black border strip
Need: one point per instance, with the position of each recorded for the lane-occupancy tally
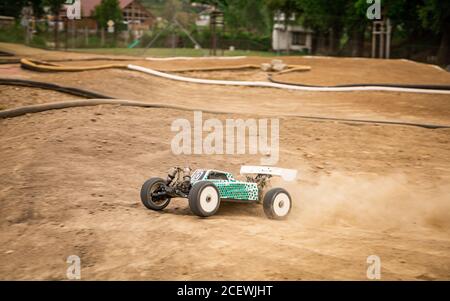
(403, 86)
(54, 87)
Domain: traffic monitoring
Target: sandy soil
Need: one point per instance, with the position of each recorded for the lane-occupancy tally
(12, 97)
(358, 105)
(70, 181)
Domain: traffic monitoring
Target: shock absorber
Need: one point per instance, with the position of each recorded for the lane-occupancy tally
(186, 179)
(171, 175)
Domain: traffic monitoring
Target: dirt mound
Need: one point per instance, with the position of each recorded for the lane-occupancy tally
(71, 179)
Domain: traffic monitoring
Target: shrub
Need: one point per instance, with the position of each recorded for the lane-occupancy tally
(12, 34)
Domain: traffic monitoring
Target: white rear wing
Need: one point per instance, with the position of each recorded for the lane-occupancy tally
(285, 174)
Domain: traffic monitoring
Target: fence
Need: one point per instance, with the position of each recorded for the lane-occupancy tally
(43, 37)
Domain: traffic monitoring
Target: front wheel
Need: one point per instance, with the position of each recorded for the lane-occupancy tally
(204, 199)
(277, 203)
(151, 195)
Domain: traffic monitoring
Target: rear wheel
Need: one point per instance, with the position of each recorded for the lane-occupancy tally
(150, 197)
(277, 203)
(204, 199)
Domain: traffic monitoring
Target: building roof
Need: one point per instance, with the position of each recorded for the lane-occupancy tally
(88, 6)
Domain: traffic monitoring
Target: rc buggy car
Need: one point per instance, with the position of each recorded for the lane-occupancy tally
(206, 188)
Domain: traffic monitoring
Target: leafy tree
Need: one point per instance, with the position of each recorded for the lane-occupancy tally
(324, 17)
(251, 15)
(38, 7)
(108, 10)
(171, 7)
(286, 7)
(327, 17)
(418, 25)
(435, 15)
(11, 8)
(356, 24)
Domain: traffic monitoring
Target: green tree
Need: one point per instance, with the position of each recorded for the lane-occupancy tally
(250, 16)
(108, 10)
(38, 7)
(416, 24)
(286, 7)
(104, 12)
(11, 8)
(171, 8)
(325, 17)
(283, 6)
(356, 24)
(435, 15)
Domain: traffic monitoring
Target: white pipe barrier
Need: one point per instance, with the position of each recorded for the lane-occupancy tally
(281, 86)
(188, 58)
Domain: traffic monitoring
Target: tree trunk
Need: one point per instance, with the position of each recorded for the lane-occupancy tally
(321, 43)
(313, 44)
(331, 42)
(358, 42)
(354, 42)
(335, 37)
(443, 55)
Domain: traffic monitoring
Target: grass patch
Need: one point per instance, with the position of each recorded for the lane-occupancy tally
(169, 52)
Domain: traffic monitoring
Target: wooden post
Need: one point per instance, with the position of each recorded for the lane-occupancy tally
(212, 26)
(66, 33)
(74, 34)
(374, 39)
(381, 39)
(381, 35)
(388, 38)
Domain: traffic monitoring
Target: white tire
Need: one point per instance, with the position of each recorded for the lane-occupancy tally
(277, 203)
(204, 199)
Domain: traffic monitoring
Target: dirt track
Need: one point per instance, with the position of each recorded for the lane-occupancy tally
(70, 179)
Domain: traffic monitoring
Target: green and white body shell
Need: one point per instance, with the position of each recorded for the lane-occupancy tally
(228, 186)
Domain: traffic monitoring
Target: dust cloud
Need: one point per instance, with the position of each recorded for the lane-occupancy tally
(375, 202)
